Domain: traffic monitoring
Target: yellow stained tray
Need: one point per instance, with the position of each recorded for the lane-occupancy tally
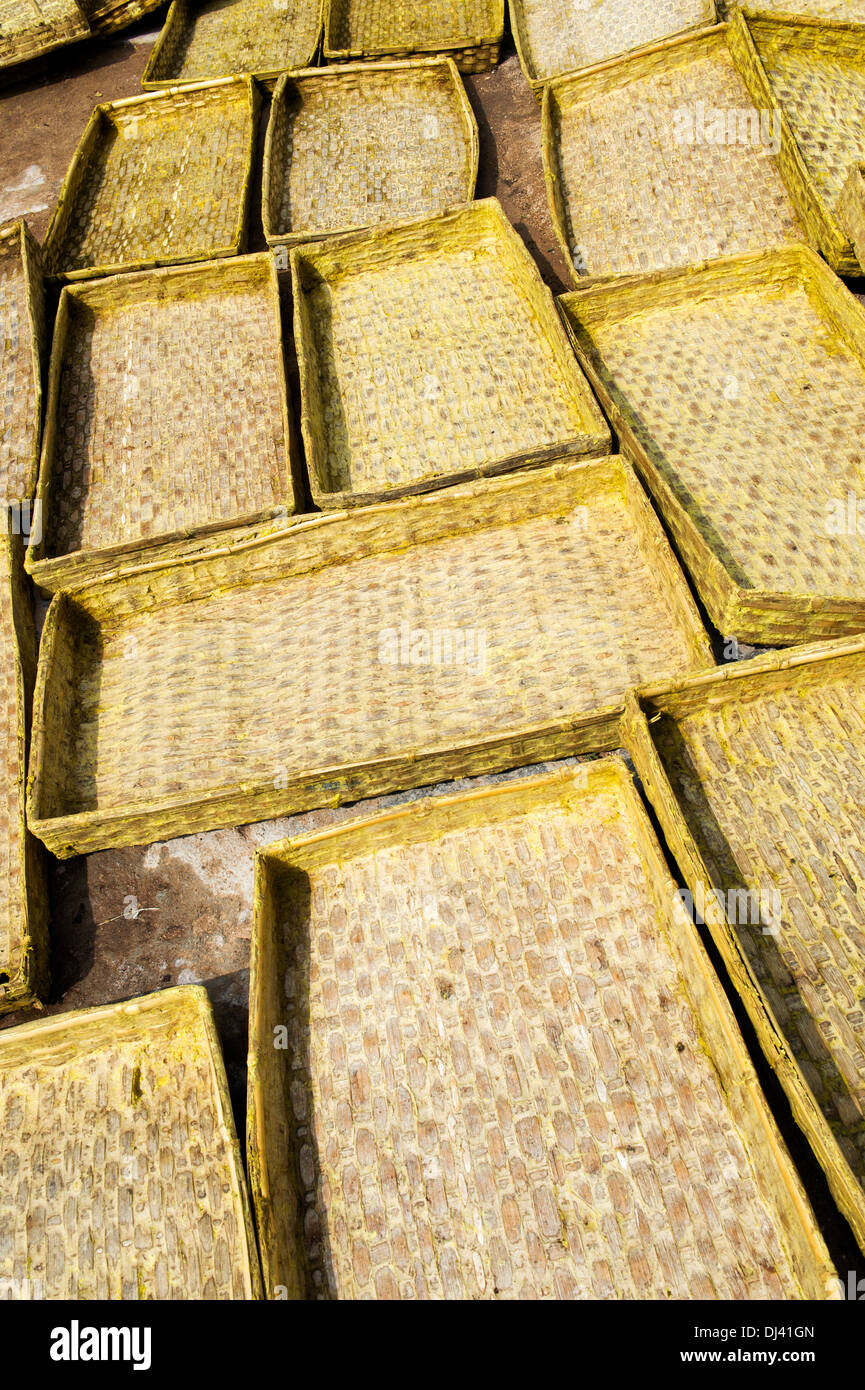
(739, 390)
(228, 38)
(22, 338)
(755, 772)
(167, 417)
(157, 180)
(29, 28)
(487, 1060)
(640, 173)
(124, 1177)
(366, 144)
(594, 33)
(432, 353)
(479, 628)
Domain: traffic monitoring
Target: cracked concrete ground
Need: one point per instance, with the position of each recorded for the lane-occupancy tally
(125, 922)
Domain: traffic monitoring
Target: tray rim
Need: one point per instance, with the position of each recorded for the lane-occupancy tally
(763, 616)
(312, 74)
(342, 55)
(642, 706)
(53, 239)
(335, 784)
(486, 212)
(537, 84)
(730, 34)
(28, 915)
(177, 13)
(264, 1093)
(31, 268)
(78, 567)
(186, 1006)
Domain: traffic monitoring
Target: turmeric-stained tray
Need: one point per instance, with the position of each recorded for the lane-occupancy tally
(157, 180)
(756, 774)
(366, 143)
(167, 416)
(839, 11)
(641, 174)
(507, 1068)
(431, 353)
(470, 31)
(476, 629)
(814, 74)
(549, 48)
(124, 1174)
(23, 893)
(29, 28)
(226, 38)
(22, 333)
(739, 390)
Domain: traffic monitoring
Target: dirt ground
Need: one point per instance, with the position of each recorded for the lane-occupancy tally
(130, 921)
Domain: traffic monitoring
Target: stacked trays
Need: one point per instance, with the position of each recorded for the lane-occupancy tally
(157, 180)
(363, 144)
(124, 1175)
(548, 48)
(190, 697)
(167, 417)
(256, 38)
(469, 32)
(638, 182)
(509, 1069)
(111, 15)
(755, 772)
(739, 390)
(429, 354)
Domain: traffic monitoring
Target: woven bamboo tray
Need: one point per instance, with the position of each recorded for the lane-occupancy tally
(476, 629)
(127, 1179)
(23, 893)
(517, 1039)
(429, 354)
(364, 144)
(22, 336)
(108, 17)
(167, 417)
(548, 48)
(841, 11)
(469, 31)
(738, 389)
(814, 73)
(157, 180)
(29, 28)
(629, 193)
(257, 38)
(756, 775)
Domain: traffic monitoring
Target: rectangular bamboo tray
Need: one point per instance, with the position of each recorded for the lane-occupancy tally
(839, 11)
(507, 1069)
(548, 48)
(430, 354)
(755, 772)
(109, 16)
(157, 180)
(476, 629)
(22, 339)
(363, 144)
(255, 38)
(813, 72)
(117, 1122)
(29, 28)
(470, 33)
(738, 389)
(23, 891)
(630, 192)
(167, 417)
